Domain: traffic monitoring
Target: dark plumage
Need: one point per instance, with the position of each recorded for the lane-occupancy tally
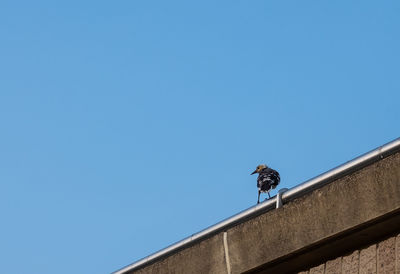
(267, 179)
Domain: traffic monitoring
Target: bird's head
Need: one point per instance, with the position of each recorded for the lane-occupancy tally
(259, 168)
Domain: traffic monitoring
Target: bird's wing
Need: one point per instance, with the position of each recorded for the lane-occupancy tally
(268, 177)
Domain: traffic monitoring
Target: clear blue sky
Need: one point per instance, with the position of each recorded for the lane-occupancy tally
(129, 125)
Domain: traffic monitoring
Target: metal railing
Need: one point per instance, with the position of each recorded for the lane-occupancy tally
(293, 193)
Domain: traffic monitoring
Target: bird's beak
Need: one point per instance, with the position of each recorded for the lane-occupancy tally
(255, 171)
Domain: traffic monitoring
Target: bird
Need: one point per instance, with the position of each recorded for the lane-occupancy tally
(268, 179)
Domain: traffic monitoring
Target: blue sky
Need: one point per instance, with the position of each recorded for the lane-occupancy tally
(129, 125)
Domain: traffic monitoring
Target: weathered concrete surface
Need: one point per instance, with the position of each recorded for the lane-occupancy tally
(350, 263)
(386, 262)
(368, 260)
(338, 218)
(318, 269)
(398, 254)
(333, 266)
(380, 257)
(207, 256)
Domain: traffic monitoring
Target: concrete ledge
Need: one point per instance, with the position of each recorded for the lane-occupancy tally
(349, 212)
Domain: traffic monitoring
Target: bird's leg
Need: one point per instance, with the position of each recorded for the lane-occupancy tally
(258, 201)
(269, 196)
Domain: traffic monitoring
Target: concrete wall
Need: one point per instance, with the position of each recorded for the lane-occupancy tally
(381, 257)
(312, 233)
